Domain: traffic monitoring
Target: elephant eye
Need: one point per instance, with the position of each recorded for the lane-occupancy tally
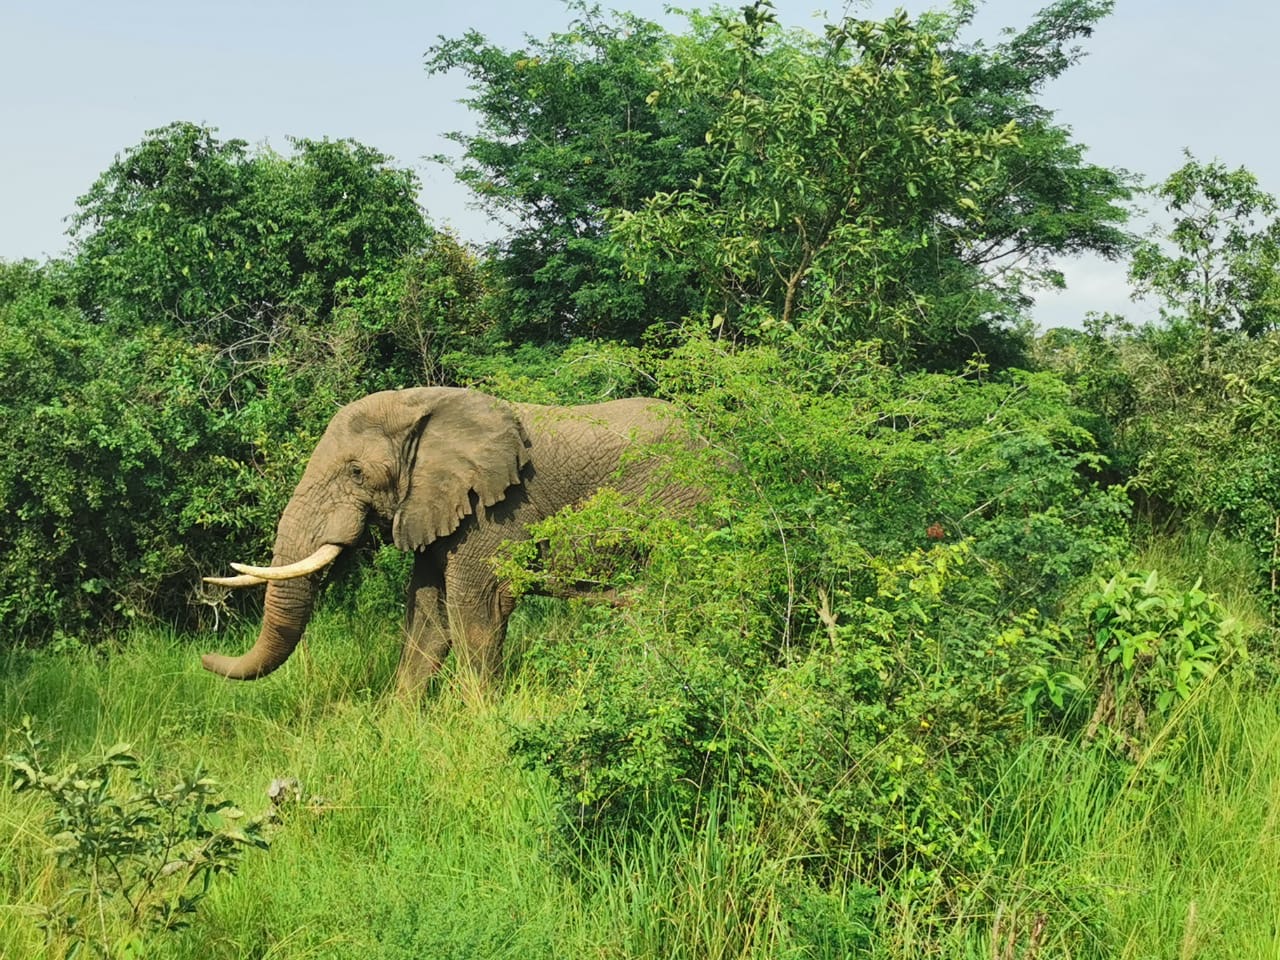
(357, 473)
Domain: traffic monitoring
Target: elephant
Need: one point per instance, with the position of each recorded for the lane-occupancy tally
(453, 474)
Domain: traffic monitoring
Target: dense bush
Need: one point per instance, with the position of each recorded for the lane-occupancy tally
(102, 434)
(137, 459)
(1196, 436)
(861, 625)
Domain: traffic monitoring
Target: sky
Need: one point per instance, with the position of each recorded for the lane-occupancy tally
(83, 80)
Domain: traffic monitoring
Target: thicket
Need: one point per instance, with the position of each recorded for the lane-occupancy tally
(150, 437)
(914, 568)
(1187, 409)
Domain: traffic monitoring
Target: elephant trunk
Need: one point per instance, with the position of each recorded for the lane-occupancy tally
(284, 618)
(289, 602)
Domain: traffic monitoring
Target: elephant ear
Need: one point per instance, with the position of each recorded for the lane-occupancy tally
(463, 453)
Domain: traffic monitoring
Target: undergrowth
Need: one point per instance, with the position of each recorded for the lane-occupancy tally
(408, 832)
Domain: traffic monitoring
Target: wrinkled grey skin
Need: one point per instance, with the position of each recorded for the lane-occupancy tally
(454, 474)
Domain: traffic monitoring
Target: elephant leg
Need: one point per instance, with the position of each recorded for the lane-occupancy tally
(426, 641)
(479, 608)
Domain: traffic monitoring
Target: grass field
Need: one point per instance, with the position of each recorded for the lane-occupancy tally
(427, 841)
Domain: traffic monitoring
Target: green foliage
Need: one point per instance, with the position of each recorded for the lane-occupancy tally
(214, 241)
(598, 545)
(802, 648)
(882, 180)
(144, 861)
(1195, 434)
(881, 739)
(836, 165)
(861, 746)
(101, 431)
(858, 458)
(582, 371)
(1154, 645)
(413, 325)
(567, 129)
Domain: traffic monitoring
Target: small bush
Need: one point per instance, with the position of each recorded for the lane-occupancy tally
(1153, 644)
(136, 864)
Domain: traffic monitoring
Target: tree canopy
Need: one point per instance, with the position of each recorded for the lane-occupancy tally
(884, 179)
(1218, 267)
(210, 237)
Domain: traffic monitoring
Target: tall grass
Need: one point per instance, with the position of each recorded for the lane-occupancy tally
(415, 835)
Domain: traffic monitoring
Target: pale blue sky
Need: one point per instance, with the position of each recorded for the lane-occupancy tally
(83, 80)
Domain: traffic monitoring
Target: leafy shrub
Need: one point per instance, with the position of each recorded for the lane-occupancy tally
(141, 863)
(104, 432)
(599, 546)
(864, 746)
(1154, 644)
(845, 638)
(1193, 429)
(414, 323)
(882, 739)
(851, 457)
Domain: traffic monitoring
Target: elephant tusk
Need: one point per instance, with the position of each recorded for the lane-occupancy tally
(244, 580)
(317, 561)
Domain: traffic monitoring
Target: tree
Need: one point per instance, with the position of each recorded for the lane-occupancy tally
(1218, 268)
(210, 238)
(567, 129)
(838, 168)
(782, 153)
(885, 181)
(1046, 201)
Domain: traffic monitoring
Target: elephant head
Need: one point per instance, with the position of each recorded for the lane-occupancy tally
(419, 461)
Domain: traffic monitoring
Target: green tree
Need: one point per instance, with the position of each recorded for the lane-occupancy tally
(213, 239)
(408, 325)
(1196, 438)
(792, 190)
(1217, 269)
(885, 181)
(838, 166)
(566, 130)
(1046, 202)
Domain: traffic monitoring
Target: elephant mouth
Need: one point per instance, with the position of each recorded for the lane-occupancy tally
(250, 575)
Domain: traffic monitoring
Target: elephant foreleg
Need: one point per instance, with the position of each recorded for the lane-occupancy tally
(426, 641)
